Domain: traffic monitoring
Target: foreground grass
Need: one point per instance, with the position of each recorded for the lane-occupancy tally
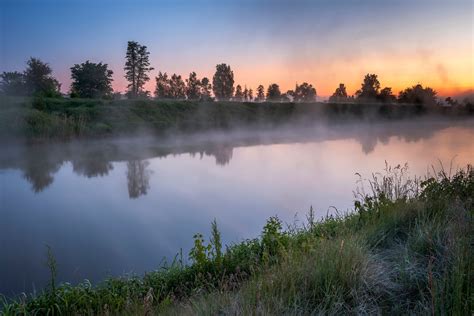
(48, 118)
(406, 248)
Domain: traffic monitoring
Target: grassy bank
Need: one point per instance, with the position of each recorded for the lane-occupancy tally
(406, 248)
(67, 118)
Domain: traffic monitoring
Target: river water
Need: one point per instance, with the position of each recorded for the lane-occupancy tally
(119, 206)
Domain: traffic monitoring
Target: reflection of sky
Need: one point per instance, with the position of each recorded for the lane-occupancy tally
(94, 227)
(323, 42)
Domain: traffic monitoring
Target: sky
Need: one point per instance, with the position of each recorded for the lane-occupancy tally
(324, 42)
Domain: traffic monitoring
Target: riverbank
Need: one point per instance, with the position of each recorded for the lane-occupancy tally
(49, 118)
(406, 248)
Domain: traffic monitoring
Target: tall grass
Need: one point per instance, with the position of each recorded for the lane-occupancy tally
(406, 248)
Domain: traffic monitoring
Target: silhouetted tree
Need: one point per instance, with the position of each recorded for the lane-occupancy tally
(12, 83)
(193, 87)
(273, 92)
(250, 95)
(340, 95)
(369, 89)
(178, 88)
(163, 86)
(304, 93)
(238, 94)
(246, 94)
(418, 95)
(137, 66)
(386, 95)
(39, 79)
(260, 94)
(206, 89)
(223, 82)
(91, 80)
(451, 102)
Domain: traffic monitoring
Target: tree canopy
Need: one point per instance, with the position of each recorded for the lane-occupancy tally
(260, 94)
(91, 80)
(418, 95)
(369, 89)
(223, 82)
(273, 92)
(136, 68)
(239, 95)
(304, 93)
(39, 79)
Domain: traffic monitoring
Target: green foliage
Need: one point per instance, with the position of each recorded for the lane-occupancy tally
(216, 243)
(273, 240)
(130, 117)
(200, 253)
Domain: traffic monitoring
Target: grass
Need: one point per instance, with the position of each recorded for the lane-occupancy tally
(46, 118)
(405, 249)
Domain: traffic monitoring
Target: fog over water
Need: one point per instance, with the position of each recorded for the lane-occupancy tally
(116, 206)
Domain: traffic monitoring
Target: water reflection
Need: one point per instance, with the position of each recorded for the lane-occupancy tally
(39, 172)
(40, 162)
(119, 206)
(138, 178)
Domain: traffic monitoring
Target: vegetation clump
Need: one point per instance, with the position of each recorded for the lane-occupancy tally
(406, 248)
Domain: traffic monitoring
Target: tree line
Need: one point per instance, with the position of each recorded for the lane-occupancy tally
(94, 80)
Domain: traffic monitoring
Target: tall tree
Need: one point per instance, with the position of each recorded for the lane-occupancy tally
(178, 87)
(304, 93)
(246, 94)
(239, 96)
(163, 86)
(206, 89)
(91, 80)
(418, 95)
(39, 79)
(250, 95)
(260, 94)
(223, 82)
(12, 83)
(136, 68)
(273, 92)
(193, 87)
(340, 95)
(369, 89)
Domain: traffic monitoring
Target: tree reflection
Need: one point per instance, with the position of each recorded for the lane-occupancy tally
(40, 173)
(92, 166)
(40, 162)
(138, 178)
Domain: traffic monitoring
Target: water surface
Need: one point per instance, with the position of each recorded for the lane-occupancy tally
(113, 207)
